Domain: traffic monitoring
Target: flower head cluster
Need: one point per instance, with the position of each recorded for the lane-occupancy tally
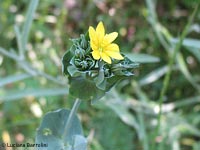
(94, 64)
(102, 45)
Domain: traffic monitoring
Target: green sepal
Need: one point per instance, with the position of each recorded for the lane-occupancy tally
(124, 67)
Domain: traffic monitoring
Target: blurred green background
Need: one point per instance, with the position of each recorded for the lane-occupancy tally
(126, 118)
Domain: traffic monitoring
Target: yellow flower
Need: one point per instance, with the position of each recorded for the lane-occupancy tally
(102, 45)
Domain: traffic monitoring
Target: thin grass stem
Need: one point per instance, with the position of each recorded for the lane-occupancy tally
(170, 64)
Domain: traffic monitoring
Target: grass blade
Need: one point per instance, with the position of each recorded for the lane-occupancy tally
(19, 42)
(142, 58)
(186, 73)
(153, 76)
(13, 78)
(16, 95)
(28, 22)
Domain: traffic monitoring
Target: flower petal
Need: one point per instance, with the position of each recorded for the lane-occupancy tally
(100, 31)
(96, 55)
(106, 58)
(115, 55)
(93, 45)
(92, 33)
(109, 38)
(112, 47)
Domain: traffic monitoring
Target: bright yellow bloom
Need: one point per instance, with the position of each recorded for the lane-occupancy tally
(102, 45)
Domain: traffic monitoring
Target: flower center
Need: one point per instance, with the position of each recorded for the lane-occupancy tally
(100, 49)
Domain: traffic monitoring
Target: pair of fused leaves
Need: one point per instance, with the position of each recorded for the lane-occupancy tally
(51, 132)
(90, 79)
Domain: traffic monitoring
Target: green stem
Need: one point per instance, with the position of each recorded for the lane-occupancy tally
(170, 64)
(9, 54)
(71, 117)
(152, 18)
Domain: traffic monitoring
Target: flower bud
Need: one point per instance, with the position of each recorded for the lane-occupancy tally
(84, 43)
(84, 64)
(79, 53)
(107, 71)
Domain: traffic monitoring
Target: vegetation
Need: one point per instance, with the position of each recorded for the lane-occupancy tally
(156, 109)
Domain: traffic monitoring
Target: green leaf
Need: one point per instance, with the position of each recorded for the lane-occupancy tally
(13, 78)
(142, 58)
(100, 80)
(100, 77)
(108, 84)
(113, 80)
(196, 146)
(51, 132)
(17, 95)
(185, 71)
(66, 62)
(73, 71)
(102, 85)
(124, 115)
(28, 21)
(192, 45)
(186, 102)
(124, 67)
(195, 52)
(107, 127)
(114, 101)
(84, 89)
(80, 143)
(19, 41)
(155, 75)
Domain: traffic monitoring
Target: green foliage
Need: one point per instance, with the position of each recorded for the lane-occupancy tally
(51, 132)
(142, 58)
(112, 127)
(193, 45)
(79, 84)
(34, 37)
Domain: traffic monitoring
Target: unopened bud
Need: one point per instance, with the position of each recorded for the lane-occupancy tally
(84, 43)
(79, 53)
